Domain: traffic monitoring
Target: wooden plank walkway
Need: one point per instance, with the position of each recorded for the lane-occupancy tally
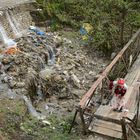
(108, 122)
(106, 128)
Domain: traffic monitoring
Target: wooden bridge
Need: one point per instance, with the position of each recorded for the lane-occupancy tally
(101, 118)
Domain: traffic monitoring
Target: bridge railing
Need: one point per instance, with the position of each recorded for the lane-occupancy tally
(117, 68)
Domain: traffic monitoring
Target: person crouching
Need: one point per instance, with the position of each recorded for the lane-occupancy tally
(119, 89)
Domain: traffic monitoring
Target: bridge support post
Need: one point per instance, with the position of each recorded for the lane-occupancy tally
(138, 106)
(125, 64)
(124, 128)
(73, 121)
(82, 119)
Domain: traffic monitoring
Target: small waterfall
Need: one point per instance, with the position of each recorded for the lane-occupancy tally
(15, 31)
(37, 31)
(51, 59)
(16, 23)
(8, 42)
(39, 93)
(41, 62)
(3, 34)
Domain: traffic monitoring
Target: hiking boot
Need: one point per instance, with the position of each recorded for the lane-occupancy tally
(120, 110)
(115, 109)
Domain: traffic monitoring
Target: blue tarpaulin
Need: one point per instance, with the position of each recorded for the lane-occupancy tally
(40, 32)
(83, 31)
(36, 30)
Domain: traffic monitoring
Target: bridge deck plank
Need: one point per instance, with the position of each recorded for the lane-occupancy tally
(104, 127)
(107, 113)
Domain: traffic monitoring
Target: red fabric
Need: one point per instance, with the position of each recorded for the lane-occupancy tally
(120, 90)
(110, 85)
(121, 82)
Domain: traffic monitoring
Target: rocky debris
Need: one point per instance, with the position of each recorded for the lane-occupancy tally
(51, 68)
(75, 80)
(112, 55)
(57, 87)
(46, 73)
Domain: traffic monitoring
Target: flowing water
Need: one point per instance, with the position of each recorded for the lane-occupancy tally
(10, 94)
(15, 31)
(32, 110)
(51, 57)
(42, 64)
(8, 42)
(16, 23)
(3, 34)
(51, 54)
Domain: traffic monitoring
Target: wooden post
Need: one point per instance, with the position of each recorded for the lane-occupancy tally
(105, 84)
(138, 105)
(125, 64)
(82, 119)
(135, 134)
(73, 121)
(101, 92)
(139, 42)
(124, 128)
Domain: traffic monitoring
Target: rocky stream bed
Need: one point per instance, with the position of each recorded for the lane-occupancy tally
(42, 79)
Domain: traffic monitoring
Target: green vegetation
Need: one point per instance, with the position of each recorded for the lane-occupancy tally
(16, 124)
(11, 114)
(58, 129)
(114, 21)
